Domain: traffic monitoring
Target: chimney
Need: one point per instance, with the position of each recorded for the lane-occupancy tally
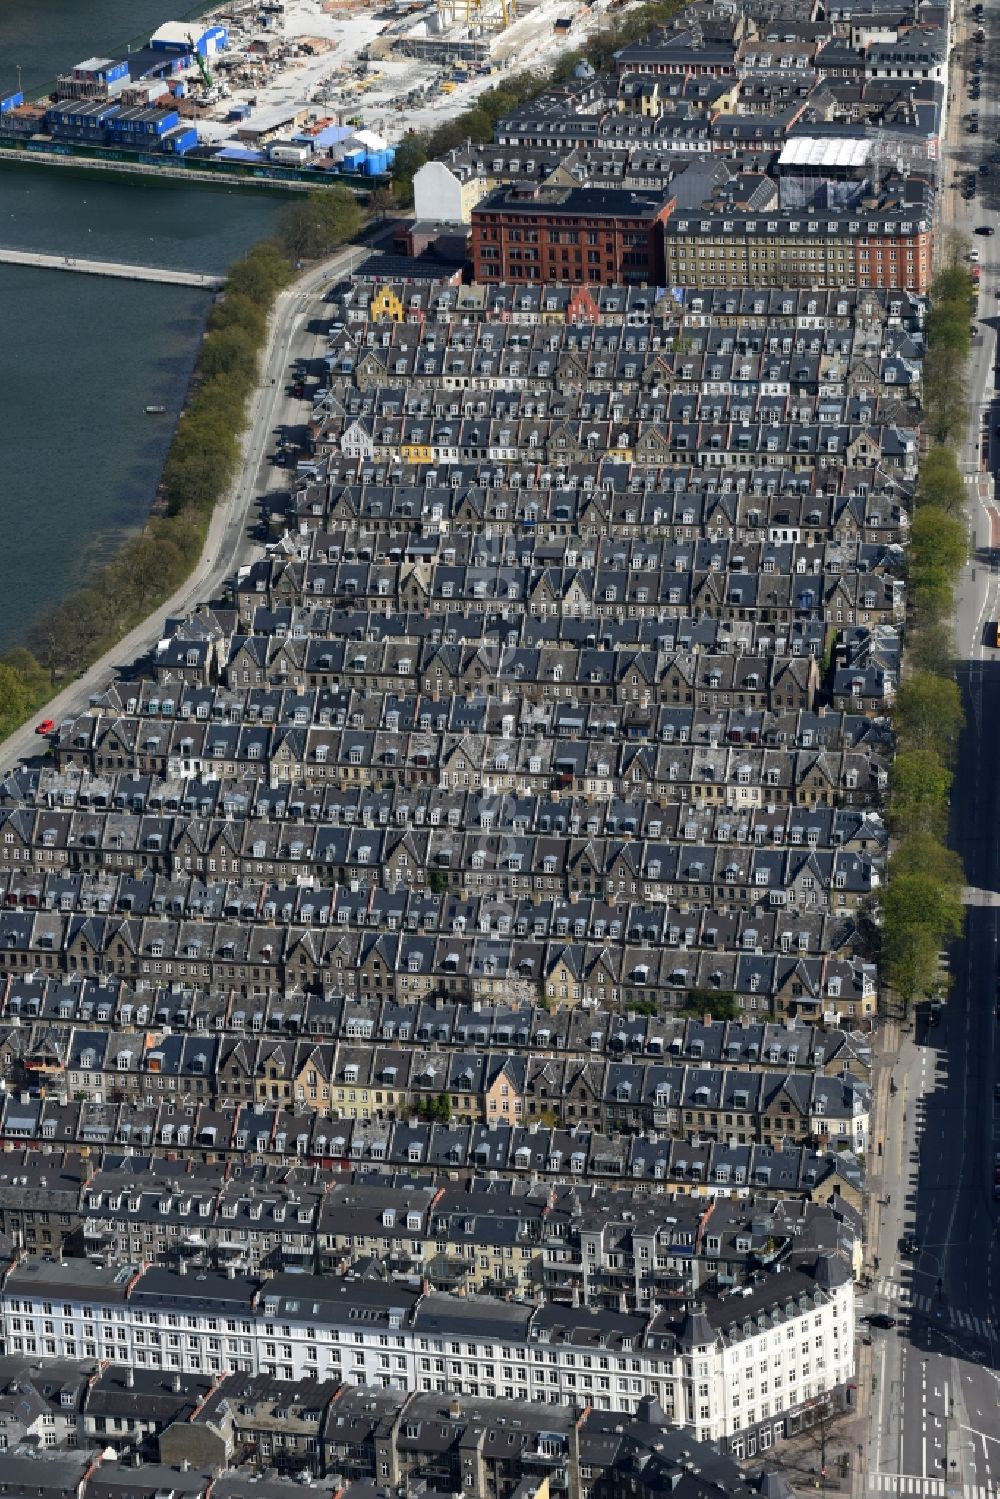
(129, 1377)
(175, 1384)
(455, 1409)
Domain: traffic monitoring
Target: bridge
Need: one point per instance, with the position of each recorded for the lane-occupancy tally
(118, 269)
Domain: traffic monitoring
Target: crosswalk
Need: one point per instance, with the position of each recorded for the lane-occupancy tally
(935, 1311)
(926, 1488)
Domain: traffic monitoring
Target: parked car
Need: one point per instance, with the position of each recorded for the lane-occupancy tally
(879, 1319)
(47, 726)
(985, 229)
(909, 1244)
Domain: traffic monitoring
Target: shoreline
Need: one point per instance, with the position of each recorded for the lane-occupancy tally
(225, 531)
(225, 175)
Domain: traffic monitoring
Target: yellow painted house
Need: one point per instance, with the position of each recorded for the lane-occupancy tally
(416, 452)
(385, 306)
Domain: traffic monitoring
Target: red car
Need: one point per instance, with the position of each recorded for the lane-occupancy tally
(47, 726)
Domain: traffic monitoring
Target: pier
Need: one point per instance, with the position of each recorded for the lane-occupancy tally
(119, 269)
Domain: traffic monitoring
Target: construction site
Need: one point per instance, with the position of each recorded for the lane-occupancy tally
(385, 69)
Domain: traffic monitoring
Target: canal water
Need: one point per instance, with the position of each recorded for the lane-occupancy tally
(81, 356)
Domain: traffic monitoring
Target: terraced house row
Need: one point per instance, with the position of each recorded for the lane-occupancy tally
(361, 1081)
(599, 1245)
(34, 1010)
(477, 896)
(268, 1135)
(425, 754)
(607, 499)
(252, 960)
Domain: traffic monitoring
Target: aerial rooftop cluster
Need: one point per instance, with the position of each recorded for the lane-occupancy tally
(446, 966)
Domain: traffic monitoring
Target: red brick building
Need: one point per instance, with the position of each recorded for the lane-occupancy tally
(570, 235)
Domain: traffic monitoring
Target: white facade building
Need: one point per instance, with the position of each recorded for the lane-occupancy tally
(440, 196)
(724, 1368)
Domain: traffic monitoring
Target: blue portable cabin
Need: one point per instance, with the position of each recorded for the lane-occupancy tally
(180, 36)
(180, 140)
(82, 120)
(106, 70)
(138, 122)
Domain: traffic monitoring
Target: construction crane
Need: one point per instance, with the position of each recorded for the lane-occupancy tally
(206, 76)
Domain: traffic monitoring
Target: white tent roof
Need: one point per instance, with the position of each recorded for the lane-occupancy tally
(370, 140)
(821, 151)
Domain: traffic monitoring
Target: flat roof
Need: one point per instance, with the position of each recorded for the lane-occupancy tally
(817, 151)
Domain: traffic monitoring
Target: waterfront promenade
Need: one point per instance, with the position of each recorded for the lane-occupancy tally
(120, 270)
(228, 542)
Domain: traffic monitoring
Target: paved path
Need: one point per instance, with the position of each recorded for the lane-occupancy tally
(227, 534)
(118, 269)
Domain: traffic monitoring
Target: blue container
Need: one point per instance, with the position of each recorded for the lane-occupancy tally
(354, 161)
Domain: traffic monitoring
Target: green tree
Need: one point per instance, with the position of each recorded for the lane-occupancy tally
(238, 310)
(938, 542)
(939, 547)
(261, 273)
(314, 225)
(230, 351)
(955, 250)
(411, 153)
(919, 915)
(721, 1004)
(382, 200)
(928, 713)
(920, 787)
(16, 699)
(195, 477)
(946, 403)
(31, 672)
(931, 647)
(922, 853)
(941, 481)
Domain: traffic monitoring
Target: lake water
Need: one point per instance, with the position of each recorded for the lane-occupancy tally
(81, 356)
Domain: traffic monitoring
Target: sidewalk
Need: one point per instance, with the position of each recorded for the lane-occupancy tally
(885, 1055)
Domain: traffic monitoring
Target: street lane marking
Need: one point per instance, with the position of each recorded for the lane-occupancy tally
(906, 1483)
(928, 1488)
(893, 1290)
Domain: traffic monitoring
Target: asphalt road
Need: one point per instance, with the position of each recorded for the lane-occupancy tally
(935, 1396)
(229, 541)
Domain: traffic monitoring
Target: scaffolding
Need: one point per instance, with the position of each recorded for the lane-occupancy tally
(477, 15)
